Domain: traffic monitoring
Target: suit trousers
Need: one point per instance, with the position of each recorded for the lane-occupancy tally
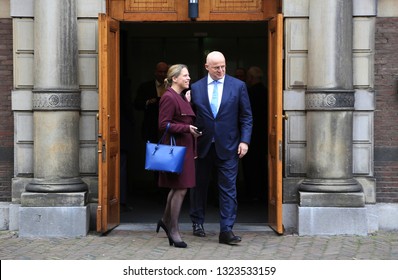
(226, 172)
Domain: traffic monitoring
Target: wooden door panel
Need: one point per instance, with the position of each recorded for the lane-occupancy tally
(177, 10)
(275, 118)
(108, 214)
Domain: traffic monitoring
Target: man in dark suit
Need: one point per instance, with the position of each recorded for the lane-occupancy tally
(224, 116)
(147, 100)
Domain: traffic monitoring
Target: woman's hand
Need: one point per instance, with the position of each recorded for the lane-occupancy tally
(188, 95)
(195, 131)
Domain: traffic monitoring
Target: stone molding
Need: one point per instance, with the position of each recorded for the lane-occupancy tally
(329, 100)
(50, 100)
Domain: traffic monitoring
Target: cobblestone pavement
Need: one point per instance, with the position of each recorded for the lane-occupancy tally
(145, 244)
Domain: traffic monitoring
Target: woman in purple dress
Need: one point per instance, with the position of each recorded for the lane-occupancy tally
(175, 108)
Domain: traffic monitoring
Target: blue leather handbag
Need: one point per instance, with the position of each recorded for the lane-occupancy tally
(163, 157)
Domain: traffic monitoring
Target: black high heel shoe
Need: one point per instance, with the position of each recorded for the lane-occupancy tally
(179, 244)
(163, 226)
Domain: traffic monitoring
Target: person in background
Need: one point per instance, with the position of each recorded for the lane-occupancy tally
(147, 100)
(175, 109)
(254, 164)
(224, 116)
(240, 73)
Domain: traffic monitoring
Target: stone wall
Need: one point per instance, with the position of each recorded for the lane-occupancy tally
(6, 117)
(386, 114)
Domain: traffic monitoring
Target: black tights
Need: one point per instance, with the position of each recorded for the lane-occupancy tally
(172, 211)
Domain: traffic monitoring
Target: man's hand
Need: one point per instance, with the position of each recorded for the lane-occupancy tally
(242, 149)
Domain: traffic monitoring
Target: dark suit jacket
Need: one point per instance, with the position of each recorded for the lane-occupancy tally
(149, 129)
(233, 123)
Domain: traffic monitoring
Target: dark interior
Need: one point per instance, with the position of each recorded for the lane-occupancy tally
(142, 45)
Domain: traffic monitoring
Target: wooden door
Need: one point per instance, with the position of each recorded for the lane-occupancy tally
(108, 214)
(275, 118)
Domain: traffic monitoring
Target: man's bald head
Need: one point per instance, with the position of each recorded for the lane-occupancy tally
(215, 65)
(214, 56)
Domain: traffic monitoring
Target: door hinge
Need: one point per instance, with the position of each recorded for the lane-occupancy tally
(280, 150)
(103, 151)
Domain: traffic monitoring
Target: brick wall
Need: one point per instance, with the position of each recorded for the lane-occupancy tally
(386, 115)
(6, 117)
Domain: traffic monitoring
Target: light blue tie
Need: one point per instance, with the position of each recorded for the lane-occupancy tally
(214, 99)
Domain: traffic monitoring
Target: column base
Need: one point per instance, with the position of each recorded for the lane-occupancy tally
(35, 199)
(330, 185)
(4, 215)
(332, 221)
(54, 221)
(314, 199)
(57, 185)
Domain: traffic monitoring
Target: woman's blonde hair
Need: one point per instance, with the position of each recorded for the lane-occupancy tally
(174, 71)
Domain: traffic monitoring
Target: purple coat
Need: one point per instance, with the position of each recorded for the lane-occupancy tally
(176, 110)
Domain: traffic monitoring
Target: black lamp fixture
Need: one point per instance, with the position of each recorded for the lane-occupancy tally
(193, 8)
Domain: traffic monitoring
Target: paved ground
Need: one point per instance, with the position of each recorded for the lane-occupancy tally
(140, 242)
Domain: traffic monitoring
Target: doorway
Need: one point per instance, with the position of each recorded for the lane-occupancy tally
(142, 45)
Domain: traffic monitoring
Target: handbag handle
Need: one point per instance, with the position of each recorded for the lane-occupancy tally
(172, 139)
(164, 134)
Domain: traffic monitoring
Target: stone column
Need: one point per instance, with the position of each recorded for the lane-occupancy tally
(329, 102)
(56, 195)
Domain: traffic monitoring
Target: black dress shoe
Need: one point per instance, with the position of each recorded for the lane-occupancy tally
(198, 230)
(228, 237)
